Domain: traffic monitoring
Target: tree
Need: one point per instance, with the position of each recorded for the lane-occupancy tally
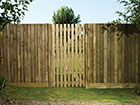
(65, 15)
(12, 11)
(131, 14)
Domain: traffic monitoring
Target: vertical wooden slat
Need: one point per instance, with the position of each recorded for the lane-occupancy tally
(29, 43)
(45, 54)
(72, 46)
(57, 55)
(137, 56)
(16, 55)
(108, 57)
(11, 52)
(39, 54)
(76, 57)
(65, 55)
(61, 68)
(8, 53)
(98, 54)
(5, 52)
(1, 52)
(25, 53)
(116, 58)
(133, 60)
(41, 57)
(32, 55)
(130, 73)
(53, 54)
(19, 54)
(36, 52)
(86, 53)
(42, 53)
(90, 54)
(102, 54)
(94, 49)
(83, 54)
(48, 63)
(80, 57)
(50, 46)
(22, 49)
(112, 54)
(119, 58)
(105, 56)
(69, 69)
(50, 72)
(123, 56)
(125, 59)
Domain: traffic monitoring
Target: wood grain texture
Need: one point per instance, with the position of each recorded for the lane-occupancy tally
(116, 58)
(65, 83)
(69, 55)
(105, 56)
(57, 55)
(61, 56)
(94, 52)
(72, 45)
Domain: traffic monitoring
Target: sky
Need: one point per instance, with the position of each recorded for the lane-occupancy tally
(91, 11)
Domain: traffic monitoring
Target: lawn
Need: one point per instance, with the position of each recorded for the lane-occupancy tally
(73, 94)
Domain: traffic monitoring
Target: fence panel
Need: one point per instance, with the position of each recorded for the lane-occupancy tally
(111, 57)
(26, 54)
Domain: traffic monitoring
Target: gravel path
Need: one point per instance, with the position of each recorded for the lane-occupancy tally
(8, 102)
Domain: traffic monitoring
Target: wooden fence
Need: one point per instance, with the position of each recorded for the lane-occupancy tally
(112, 57)
(26, 54)
(88, 55)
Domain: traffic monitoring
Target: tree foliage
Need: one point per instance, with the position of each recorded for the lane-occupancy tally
(131, 14)
(12, 11)
(65, 15)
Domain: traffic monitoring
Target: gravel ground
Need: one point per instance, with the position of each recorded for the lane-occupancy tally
(24, 102)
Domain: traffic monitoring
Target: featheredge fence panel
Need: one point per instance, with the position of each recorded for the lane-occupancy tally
(112, 57)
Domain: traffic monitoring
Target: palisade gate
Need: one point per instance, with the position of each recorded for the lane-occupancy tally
(70, 55)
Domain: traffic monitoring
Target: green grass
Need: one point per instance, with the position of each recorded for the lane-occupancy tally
(77, 94)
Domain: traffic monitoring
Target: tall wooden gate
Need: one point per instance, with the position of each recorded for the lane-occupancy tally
(68, 55)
